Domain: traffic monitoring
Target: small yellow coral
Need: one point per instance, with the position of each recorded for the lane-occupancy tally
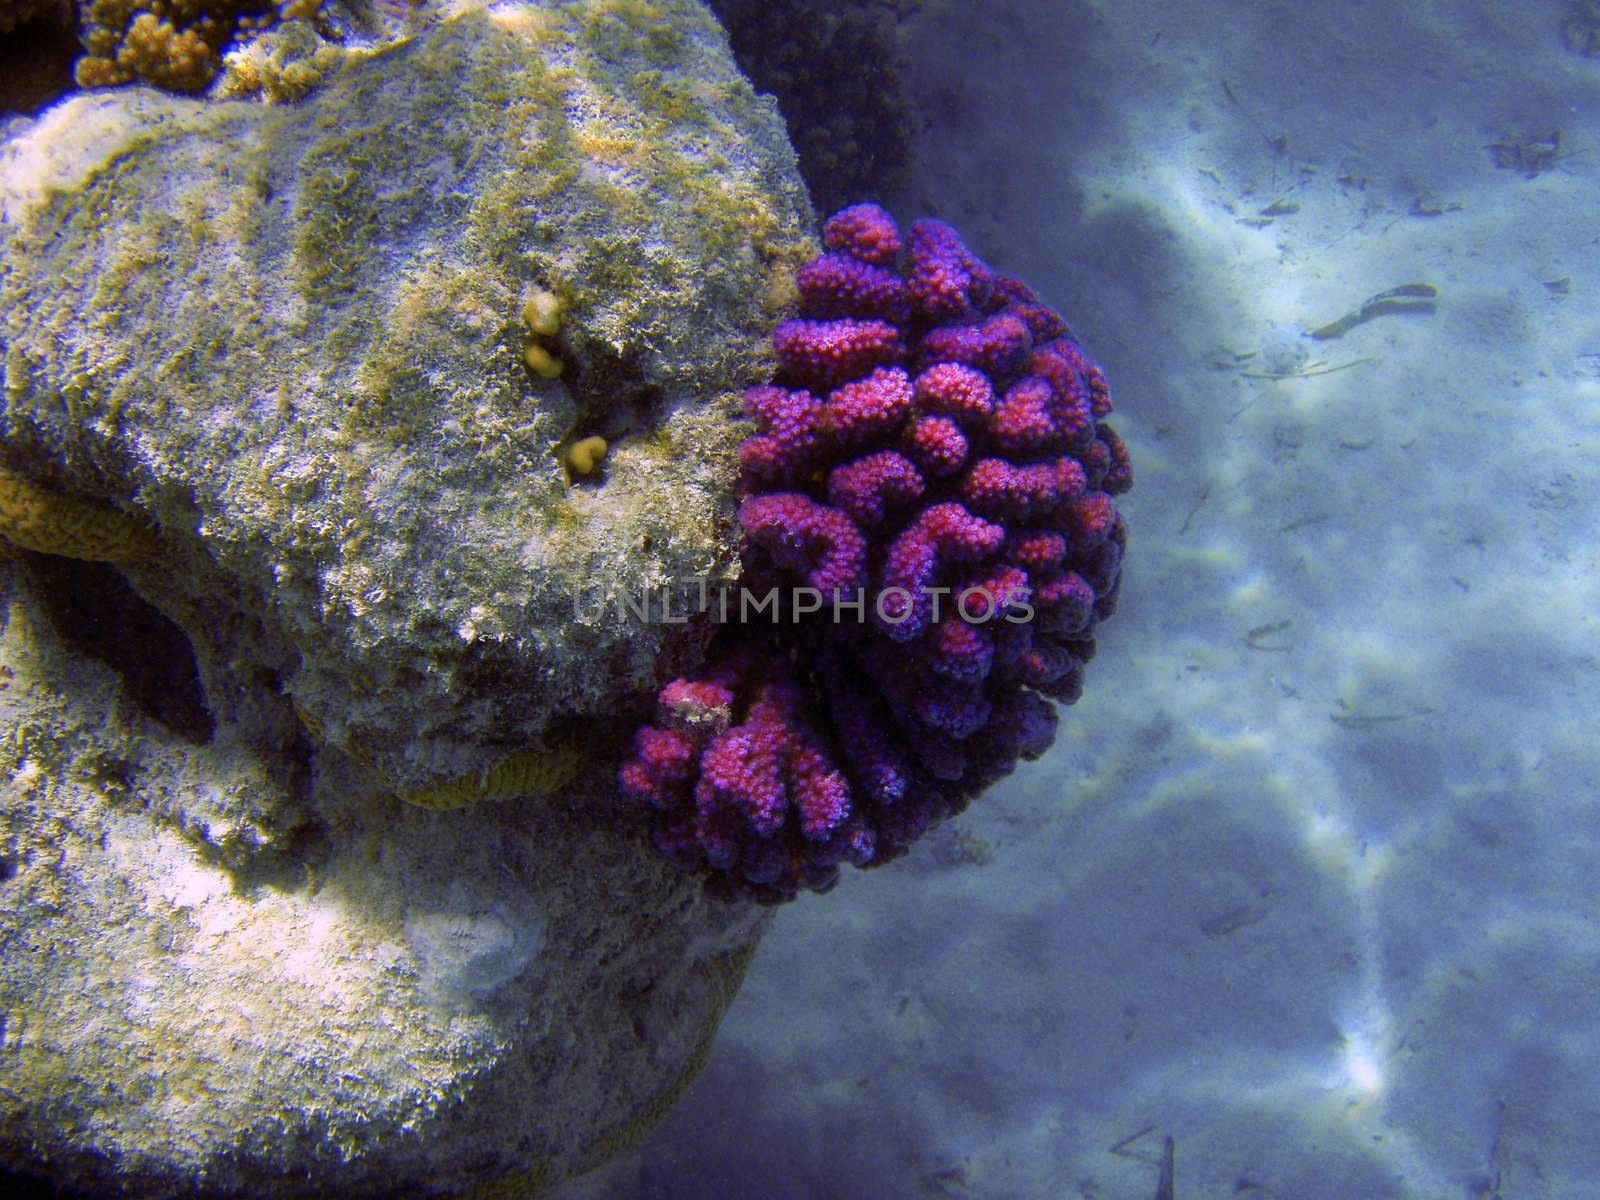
(36, 518)
(525, 773)
(542, 314)
(278, 68)
(155, 50)
(540, 361)
(584, 456)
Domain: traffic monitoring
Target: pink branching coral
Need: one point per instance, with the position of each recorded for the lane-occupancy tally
(929, 494)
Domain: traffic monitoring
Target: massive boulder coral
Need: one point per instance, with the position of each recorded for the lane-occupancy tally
(293, 338)
(279, 352)
(930, 543)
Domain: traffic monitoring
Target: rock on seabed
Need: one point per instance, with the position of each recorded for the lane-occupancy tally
(286, 342)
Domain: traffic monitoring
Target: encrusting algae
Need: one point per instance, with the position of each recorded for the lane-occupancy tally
(280, 346)
(525, 773)
(36, 518)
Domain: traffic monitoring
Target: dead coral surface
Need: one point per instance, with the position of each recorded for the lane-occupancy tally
(292, 339)
(301, 331)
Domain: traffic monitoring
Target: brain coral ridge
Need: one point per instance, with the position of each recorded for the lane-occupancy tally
(933, 464)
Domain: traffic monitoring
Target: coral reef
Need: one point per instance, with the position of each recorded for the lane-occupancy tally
(835, 70)
(289, 338)
(322, 360)
(928, 495)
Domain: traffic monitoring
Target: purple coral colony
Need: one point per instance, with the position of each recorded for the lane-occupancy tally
(933, 465)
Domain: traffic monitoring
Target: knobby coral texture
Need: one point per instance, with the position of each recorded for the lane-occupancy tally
(933, 464)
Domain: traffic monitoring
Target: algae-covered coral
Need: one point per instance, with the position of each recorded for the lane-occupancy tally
(191, 963)
(19, 12)
(264, 366)
(300, 331)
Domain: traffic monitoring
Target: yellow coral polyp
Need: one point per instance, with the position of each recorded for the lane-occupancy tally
(584, 456)
(37, 518)
(541, 362)
(525, 773)
(542, 315)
